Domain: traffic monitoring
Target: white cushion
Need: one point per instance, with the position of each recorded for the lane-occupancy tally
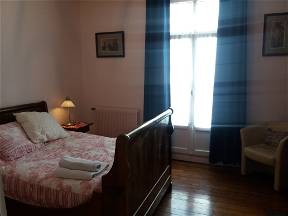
(262, 153)
(40, 126)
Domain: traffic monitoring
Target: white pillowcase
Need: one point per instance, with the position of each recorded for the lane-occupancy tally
(40, 126)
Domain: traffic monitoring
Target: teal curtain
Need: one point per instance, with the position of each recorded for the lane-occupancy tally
(229, 97)
(157, 58)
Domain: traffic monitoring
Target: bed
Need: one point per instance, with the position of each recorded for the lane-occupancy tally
(135, 183)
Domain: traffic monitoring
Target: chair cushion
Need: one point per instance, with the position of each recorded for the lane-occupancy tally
(277, 126)
(262, 153)
(273, 137)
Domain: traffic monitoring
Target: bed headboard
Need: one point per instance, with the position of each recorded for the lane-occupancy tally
(6, 114)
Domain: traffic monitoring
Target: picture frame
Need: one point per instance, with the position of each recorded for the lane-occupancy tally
(275, 34)
(110, 44)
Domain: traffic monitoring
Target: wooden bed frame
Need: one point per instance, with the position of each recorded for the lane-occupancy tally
(138, 180)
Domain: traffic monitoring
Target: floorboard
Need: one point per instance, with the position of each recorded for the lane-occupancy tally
(204, 190)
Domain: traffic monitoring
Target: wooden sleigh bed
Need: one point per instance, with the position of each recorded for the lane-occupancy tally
(138, 180)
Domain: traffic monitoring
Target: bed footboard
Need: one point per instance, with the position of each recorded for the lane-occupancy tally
(141, 173)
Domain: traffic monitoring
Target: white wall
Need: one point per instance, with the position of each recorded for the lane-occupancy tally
(267, 76)
(48, 52)
(287, 69)
(40, 51)
(1, 53)
(116, 82)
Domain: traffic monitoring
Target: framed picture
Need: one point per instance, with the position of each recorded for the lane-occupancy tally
(110, 44)
(275, 37)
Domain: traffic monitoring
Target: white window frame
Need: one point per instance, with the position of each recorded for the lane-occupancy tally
(193, 37)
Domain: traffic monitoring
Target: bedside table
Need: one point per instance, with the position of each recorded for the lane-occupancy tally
(78, 127)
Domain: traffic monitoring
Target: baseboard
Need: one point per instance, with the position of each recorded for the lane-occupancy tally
(190, 158)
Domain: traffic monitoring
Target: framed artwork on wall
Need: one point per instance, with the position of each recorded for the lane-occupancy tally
(110, 44)
(275, 36)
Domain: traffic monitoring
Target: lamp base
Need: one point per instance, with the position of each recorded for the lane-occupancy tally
(70, 124)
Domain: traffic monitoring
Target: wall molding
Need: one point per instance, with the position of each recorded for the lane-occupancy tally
(190, 158)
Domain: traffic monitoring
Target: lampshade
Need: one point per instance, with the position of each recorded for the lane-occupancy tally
(68, 103)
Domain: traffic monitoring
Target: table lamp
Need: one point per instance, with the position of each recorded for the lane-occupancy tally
(68, 103)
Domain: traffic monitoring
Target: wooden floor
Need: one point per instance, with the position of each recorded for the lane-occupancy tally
(206, 190)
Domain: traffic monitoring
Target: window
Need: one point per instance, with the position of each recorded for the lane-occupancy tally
(193, 28)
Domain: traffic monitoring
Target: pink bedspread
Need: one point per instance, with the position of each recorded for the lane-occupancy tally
(31, 179)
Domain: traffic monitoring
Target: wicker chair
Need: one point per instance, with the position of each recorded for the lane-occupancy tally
(255, 147)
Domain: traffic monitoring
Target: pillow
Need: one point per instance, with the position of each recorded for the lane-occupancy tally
(273, 137)
(13, 142)
(40, 126)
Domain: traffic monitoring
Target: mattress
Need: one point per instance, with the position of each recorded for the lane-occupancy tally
(31, 179)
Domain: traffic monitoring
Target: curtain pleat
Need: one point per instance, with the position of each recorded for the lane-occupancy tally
(229, 96)
(157, 58)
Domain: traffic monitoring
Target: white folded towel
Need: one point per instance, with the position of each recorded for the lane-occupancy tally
(80, 164)
(61, 172)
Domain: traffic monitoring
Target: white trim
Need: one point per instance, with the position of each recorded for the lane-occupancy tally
(179, 1)
(181, 127)
(190, 158)
(202, 129)
(193, 34)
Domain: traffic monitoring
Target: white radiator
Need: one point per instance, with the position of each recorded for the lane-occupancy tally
(111, 121)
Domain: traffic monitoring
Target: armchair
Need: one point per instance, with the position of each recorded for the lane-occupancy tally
(255, 147)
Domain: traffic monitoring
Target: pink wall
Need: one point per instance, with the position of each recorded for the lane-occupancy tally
(267, 76)
(48, 52)
(1, 51)
(116, 82)
(40, 52)
(119, 82)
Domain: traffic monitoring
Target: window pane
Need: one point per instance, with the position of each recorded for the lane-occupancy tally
(206, 14)
(181, 80)
(181, 14)
(205, 57)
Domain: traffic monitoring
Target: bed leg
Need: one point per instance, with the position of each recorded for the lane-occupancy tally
(169, 190)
